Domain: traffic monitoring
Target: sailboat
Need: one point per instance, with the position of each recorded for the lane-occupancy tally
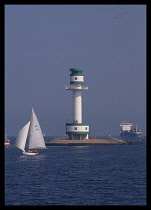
(7, 141)
(31, 132)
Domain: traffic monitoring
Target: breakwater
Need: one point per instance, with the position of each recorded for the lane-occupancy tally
(85, 142)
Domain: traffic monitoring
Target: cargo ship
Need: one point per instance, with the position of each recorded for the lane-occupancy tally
(130, 133)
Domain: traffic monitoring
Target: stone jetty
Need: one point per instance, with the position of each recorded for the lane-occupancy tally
(85, 142)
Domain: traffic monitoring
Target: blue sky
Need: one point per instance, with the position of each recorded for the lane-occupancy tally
(42, 42)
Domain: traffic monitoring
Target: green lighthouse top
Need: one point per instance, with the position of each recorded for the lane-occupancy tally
(76, 72)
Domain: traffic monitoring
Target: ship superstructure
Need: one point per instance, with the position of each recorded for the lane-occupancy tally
(128, 131)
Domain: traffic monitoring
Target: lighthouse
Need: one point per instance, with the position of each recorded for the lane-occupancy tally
(76, 130)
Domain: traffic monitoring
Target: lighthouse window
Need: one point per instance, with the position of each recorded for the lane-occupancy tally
(75, 78)
(75, 128)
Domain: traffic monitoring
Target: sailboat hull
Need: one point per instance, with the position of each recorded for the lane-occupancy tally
(30, 153)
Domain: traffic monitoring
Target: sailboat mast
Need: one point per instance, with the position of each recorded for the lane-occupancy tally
(28, 141)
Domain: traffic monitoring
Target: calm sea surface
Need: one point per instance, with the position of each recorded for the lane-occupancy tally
(76, 175)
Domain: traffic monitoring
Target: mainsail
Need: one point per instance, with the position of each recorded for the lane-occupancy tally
(22, 137)
(36, 140)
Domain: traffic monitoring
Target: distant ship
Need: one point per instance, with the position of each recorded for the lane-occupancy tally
(129, 133)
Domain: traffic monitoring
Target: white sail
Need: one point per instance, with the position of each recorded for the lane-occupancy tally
(36, 140)
(22, 137)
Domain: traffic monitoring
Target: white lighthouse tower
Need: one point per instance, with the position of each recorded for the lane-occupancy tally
(77, 130)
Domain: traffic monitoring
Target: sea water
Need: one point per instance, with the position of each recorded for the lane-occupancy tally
(76, 175)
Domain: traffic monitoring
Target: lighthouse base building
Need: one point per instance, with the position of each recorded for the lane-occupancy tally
(77, 130)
